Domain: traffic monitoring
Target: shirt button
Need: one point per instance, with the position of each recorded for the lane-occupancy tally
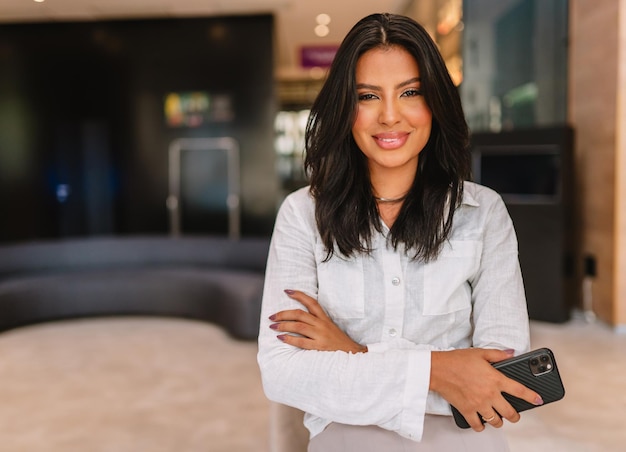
(392, 332)
(395, 281)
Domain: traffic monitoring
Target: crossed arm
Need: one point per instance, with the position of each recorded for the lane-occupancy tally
(465, 378)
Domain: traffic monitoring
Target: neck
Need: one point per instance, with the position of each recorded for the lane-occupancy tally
(391, 191)
(390, 200)
(391, 188)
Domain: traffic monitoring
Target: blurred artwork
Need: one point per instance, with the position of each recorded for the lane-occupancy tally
(196, 108)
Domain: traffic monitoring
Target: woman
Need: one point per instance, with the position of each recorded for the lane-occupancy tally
(392, 283)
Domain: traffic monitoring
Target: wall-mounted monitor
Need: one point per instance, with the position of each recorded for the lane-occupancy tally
(520, 173)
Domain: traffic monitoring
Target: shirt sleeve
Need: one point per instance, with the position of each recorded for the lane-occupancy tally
(500, 313)
(388, 386)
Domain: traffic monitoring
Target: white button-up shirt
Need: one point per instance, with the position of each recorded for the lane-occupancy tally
(470, 296)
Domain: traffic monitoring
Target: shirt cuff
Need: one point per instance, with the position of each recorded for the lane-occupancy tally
(379, 347)
(415, 395)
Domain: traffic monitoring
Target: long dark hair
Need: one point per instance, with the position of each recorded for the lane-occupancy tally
(345, 207)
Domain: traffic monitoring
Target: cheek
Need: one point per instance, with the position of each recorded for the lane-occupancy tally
(423, 116)
(428, 117)
(360, 124)
(359, 121)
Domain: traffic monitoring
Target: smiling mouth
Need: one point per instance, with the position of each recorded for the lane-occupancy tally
(391, 141)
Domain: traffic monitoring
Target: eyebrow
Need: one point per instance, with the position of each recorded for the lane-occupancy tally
(378, 88)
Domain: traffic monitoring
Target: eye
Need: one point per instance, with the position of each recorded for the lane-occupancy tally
(367, 96)
(412, 92)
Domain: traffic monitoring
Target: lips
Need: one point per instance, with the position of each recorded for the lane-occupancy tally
(391, 140)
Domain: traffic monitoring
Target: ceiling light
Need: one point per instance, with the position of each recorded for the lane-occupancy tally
(321, 28)
(323, 19)
(40, 1)
(321, 31)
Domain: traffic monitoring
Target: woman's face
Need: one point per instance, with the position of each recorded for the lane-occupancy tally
(393, 122)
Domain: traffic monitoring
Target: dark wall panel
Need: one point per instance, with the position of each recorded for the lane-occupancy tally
(533, 173)
(83, 137)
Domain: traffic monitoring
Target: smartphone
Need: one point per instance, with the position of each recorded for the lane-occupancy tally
(536, 370)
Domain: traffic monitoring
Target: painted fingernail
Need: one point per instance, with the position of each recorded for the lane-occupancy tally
(289, 291)
(538, 401)
(274, 326)
(272, 317)
(281, 337)
(509, 351)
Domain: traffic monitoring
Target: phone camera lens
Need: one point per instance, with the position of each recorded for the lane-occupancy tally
(544, 358)
(534, 361)
(542, 368)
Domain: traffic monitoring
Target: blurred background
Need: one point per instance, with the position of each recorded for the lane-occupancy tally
(186, 117)
(133, 122)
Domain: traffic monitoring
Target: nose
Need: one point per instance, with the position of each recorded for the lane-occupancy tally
(389, 112)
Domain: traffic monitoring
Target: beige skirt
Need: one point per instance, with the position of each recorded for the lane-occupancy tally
(440, 434)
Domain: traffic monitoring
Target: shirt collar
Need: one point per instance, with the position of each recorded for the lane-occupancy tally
(468, 198)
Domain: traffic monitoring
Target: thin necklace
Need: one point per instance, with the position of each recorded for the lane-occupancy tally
(390, 200)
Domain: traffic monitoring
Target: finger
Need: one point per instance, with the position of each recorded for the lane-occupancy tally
(309, 302)
(506, 411)
(493, 355)
(300, 328)
(520, 391)
(293, 315)
(492, 419)
(303, 342)
(474, 422)
(296, 341)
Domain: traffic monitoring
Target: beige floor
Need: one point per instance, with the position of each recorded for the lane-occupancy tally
(592, 416)
(171, 385)
(129, 385)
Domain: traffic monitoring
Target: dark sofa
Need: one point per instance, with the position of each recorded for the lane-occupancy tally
(206, 278)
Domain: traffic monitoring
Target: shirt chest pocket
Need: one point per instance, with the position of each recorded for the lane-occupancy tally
(341, 286)
(446, 280)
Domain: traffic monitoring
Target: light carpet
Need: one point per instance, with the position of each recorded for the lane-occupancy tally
(129, 384)
(171, 385)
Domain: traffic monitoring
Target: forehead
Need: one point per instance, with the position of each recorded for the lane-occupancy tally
(388, 62)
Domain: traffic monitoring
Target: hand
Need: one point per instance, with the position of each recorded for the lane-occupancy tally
(317, 331)
(468, 381)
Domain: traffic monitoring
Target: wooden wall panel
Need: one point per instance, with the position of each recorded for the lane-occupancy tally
(593, 109)
(620, 204)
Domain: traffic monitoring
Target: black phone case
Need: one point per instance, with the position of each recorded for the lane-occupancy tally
(548, 385)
